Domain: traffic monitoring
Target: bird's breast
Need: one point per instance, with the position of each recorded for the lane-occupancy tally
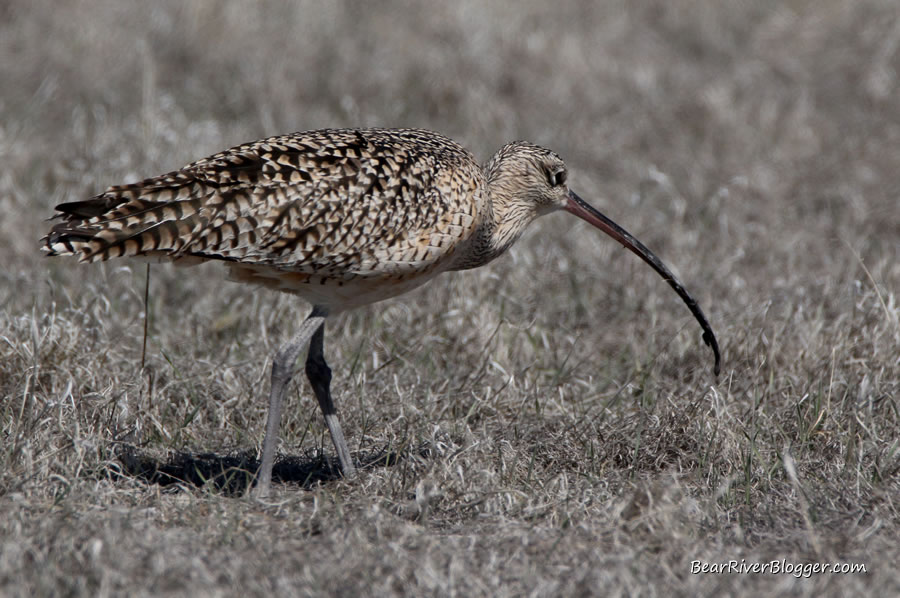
(336, 292)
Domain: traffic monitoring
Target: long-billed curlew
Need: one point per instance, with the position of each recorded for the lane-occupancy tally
(340, 217)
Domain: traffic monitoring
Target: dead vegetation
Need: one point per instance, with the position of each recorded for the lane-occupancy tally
(548, 425)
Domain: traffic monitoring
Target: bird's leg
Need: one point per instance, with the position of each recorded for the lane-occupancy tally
(319, 375)
(283, 366)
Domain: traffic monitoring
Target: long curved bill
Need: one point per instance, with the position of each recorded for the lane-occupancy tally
(586, 212)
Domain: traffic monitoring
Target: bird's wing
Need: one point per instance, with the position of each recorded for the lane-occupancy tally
(329, 201)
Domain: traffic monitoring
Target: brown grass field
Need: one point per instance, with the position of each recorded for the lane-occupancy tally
(548, 425)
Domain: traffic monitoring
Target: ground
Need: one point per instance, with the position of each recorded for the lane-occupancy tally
(547, 425)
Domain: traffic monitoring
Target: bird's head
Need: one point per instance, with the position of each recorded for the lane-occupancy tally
(527, 181)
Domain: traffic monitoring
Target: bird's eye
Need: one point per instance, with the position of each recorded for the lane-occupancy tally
(556, 177)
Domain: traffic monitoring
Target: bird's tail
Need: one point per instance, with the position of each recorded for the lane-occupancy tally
(156, 218)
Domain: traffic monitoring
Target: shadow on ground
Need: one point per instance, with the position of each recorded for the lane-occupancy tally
(233, 474)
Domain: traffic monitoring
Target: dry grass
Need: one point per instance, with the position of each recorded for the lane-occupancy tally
(558, 426)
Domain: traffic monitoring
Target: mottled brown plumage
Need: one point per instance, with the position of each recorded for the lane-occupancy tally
(341, 217)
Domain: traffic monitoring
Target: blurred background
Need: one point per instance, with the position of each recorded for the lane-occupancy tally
(738, 135)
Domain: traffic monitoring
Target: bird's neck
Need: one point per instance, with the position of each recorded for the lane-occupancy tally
(503, 221)
(509, 220)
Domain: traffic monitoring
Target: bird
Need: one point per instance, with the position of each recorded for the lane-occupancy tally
(341, 217)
